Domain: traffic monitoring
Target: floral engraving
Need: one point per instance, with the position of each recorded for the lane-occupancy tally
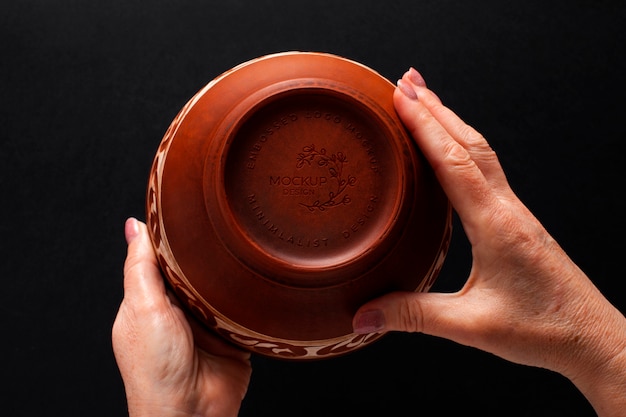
(335, 164)
(202, 309)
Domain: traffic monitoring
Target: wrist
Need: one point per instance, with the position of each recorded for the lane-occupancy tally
(148, 410)
(605, 389)
(163, 406)
(601, 371)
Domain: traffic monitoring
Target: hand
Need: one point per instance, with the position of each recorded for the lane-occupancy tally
(524, 300)
(165, 373)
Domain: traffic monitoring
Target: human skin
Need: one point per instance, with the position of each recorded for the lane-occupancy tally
(524, 300)
(169, 365)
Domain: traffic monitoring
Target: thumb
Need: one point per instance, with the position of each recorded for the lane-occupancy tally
(142, 276)
(437, 314)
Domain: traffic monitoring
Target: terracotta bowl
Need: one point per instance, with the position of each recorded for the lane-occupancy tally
(287, 193)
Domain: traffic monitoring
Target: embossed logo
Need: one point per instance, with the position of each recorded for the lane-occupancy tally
(334, 164)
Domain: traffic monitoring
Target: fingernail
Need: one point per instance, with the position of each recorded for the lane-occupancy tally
(416, 78)
(407, 90)
(371, 321)
(131, 229)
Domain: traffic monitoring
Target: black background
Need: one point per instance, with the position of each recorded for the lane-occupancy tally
(88, 89)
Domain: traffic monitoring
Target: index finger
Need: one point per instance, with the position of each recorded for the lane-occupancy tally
(462, 180)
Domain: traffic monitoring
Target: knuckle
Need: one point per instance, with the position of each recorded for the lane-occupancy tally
(476, 144)
(411, 317)
(456, 156)
(472, 137)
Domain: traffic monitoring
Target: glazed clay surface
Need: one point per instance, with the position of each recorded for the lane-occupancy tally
(287, 193)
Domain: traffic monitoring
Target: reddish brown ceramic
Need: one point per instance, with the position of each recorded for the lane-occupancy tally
(286, 194)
